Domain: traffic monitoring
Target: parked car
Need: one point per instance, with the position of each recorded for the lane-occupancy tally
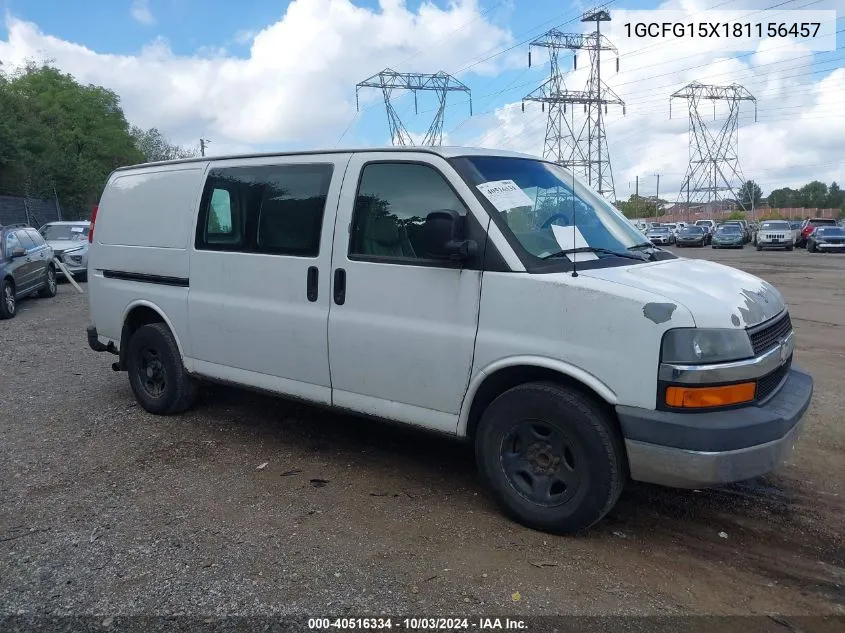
(743, 225)
(827, 239)
(691, 236)
(795, 225)
(728, 235)
(361, 288)
(673, 229)
(709, 226)
(774, 234)
(26, 267)
(69, 241)
(641, 226)
(660, 235)
(808, 226)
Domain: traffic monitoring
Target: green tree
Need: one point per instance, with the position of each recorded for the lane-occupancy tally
(155, 146)
(782, 198)
(60, 137)
(835, 196)
(750, 194)
(638, 207)
(813, 194)
(736, 215)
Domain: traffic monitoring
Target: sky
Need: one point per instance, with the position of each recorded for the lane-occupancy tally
(269, 75)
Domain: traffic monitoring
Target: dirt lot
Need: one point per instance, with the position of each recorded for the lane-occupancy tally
(105, 509)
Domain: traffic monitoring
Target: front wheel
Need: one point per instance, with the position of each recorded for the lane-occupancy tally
(49, 288)
(789, 248)
(551, 457)
(156, 373)
(811, 247)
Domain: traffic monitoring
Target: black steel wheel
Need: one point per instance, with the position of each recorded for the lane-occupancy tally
(156, 373)
(551, 457)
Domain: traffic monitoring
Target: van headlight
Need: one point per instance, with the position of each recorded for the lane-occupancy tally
(693, 346)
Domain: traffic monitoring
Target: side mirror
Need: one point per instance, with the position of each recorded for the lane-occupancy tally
(443, 234)
(18, 252)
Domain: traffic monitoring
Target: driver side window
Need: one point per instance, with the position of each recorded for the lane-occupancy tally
(391, 206)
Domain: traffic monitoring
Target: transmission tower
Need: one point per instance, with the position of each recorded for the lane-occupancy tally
(714, 152)
(440, 83)
(581, 147)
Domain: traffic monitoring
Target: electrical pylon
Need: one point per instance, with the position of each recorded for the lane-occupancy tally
(580, 146)
(440, 83)
(714, 153)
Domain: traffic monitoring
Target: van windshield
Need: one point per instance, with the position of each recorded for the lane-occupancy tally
(539, 202)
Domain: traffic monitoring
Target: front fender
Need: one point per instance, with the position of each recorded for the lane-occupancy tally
(566, 369)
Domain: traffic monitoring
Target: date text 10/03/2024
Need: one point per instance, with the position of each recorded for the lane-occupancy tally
(418, 624)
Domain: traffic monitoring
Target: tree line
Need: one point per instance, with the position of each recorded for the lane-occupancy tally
(813, 195)
(61, 139)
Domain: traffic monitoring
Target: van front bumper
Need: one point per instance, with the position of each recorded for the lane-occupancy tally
(694, 450)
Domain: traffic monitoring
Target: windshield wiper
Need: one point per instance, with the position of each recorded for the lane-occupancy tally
(596, 249)
(641, 245)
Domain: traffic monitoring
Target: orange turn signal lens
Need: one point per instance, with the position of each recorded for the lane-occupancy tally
(701, 397)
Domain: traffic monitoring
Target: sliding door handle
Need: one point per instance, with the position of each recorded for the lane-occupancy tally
(339, 286)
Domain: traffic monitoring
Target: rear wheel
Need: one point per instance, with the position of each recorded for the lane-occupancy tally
(49, 288)
(156, 373)
(551, 457)
(8, 305)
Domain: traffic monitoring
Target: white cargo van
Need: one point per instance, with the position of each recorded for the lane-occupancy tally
(478, 293)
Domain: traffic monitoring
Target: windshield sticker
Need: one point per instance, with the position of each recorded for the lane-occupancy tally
(570, 237)
(77, 229)
(505, 195)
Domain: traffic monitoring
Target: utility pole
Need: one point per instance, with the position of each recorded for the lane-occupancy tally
(203, 143)
(441, 83)
(637, 188)
(657, 195)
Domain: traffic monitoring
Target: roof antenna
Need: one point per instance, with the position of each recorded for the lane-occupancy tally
(572, 202)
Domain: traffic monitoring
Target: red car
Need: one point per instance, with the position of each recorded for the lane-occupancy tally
(809, 226)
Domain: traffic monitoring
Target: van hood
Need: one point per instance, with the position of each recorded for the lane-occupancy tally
(717, 296)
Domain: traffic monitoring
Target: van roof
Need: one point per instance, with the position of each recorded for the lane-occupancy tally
(445, 152)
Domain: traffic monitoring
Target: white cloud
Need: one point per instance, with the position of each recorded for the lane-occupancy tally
(140, 12)
(297, 85)
(798, 136)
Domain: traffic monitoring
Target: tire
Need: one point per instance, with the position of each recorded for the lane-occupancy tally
(156, 373)
(789, 248)
(811, 247)
(81, 278)
(50, 284)
(759, 247)
(8, 302)
(546, 431)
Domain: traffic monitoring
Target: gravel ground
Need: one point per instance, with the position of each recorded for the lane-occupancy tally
(105, 509)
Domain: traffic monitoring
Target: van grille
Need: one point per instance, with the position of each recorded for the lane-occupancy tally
(767, 336)
(767, 384)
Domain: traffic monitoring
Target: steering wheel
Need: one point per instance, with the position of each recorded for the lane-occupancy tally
(548, 221)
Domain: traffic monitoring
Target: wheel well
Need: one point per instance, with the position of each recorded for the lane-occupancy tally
(138, 317)
(499, 382)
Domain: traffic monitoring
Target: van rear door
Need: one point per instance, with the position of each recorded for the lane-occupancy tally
(259, 298)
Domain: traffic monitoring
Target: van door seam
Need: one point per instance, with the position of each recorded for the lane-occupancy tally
(330, 276)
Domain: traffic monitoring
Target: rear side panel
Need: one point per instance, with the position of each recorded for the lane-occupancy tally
(139, 255)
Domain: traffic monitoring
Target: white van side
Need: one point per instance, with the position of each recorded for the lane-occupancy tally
(476, 293)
